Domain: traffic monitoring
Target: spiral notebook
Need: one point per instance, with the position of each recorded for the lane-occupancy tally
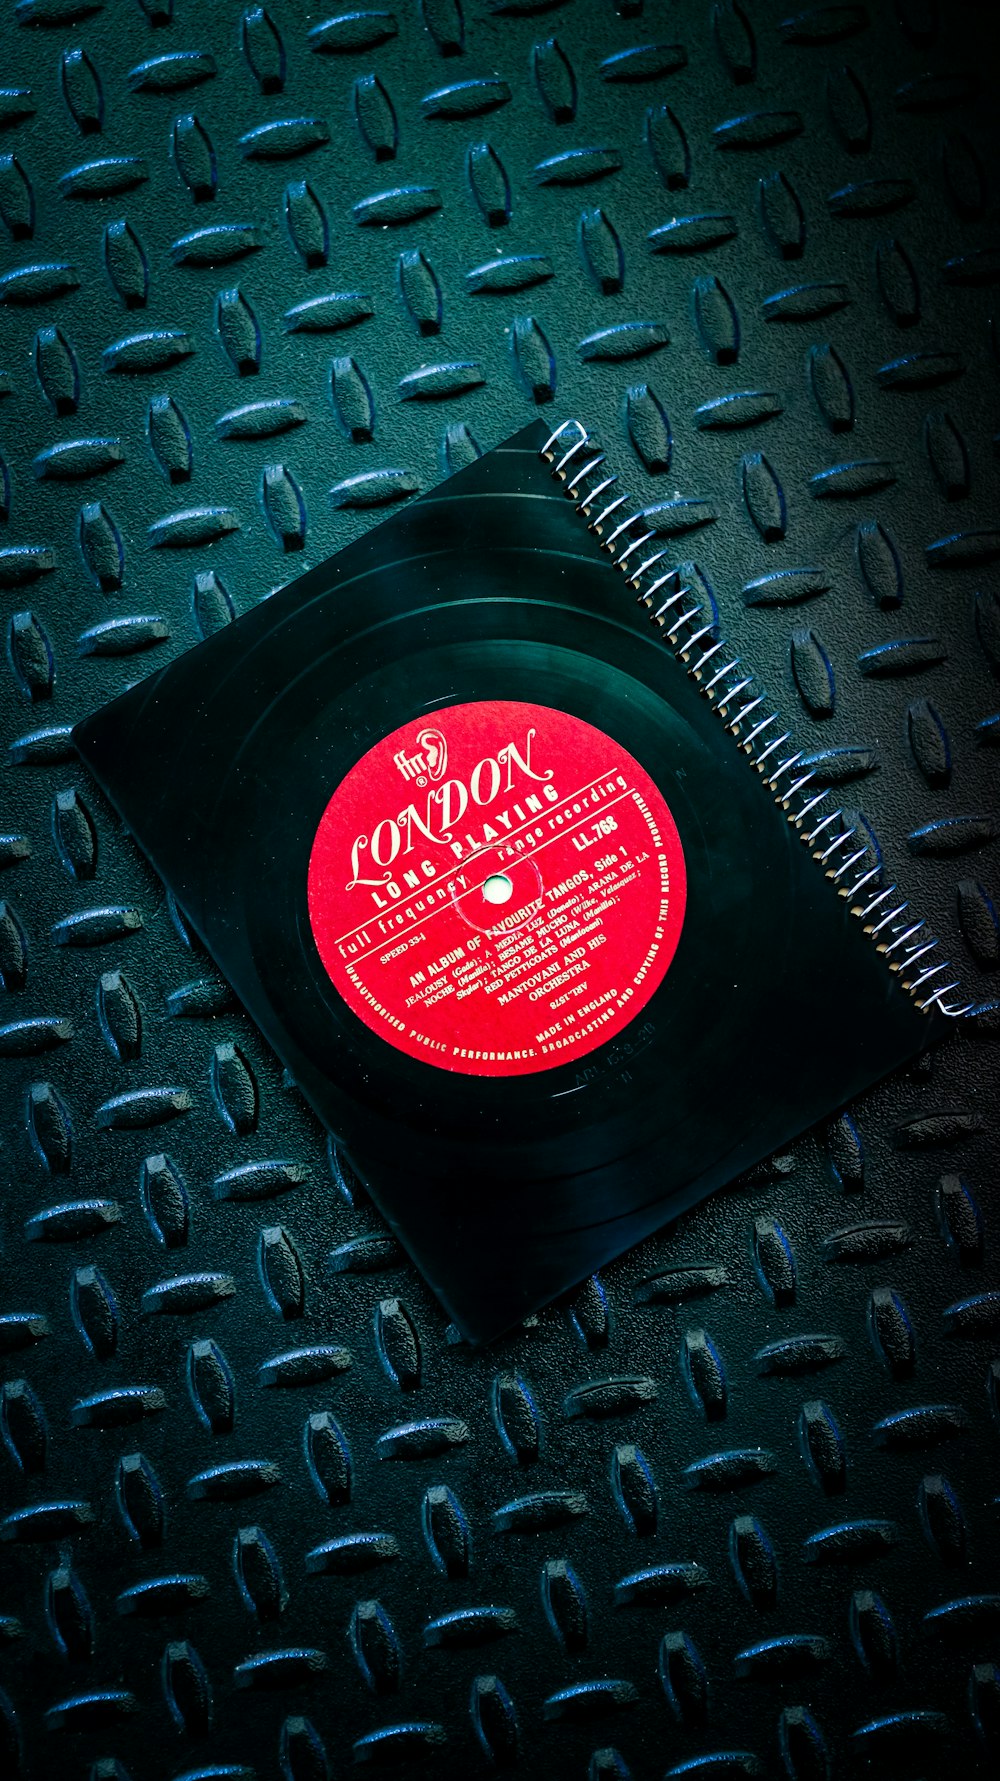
(517, 868)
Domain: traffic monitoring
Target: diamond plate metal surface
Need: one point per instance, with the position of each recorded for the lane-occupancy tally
(732, 1510)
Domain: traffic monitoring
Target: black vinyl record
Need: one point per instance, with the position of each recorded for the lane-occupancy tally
(470, 702)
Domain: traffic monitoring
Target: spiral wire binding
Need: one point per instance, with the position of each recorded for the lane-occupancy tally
(905, 942)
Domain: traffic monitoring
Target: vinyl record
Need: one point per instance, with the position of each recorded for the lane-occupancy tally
(569, 1111)
(478, 856)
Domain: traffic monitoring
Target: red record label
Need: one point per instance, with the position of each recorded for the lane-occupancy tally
(496, 888)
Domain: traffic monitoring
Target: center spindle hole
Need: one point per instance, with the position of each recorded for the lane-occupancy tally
(498, 888)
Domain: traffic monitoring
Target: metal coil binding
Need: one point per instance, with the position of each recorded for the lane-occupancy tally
(905, 942)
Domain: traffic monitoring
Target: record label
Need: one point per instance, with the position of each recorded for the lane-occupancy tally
(496, 888)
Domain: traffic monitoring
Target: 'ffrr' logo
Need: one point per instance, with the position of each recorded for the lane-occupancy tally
(430, 762)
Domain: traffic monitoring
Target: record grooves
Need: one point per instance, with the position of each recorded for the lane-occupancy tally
(481, 861)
